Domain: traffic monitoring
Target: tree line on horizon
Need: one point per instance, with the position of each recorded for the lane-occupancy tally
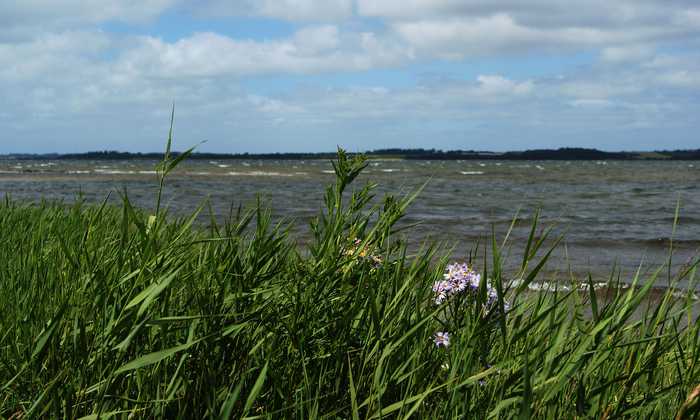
(565, 153)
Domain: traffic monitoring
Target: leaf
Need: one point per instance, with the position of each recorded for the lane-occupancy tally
(48, 332)
(148, 294)
(104, 416)
(353, 394)
(256, 389)
(154, 357)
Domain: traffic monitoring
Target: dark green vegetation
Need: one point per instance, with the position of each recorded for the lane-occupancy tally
(413, 154)
(107, 312)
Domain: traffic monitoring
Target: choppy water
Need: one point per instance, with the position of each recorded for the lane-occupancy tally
(614, 211)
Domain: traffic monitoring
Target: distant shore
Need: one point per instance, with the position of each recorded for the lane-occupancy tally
(406, 154)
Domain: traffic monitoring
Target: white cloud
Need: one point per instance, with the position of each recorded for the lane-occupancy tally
(63, 76)
(591, 103)
(681, 79)
(501, 33)
(311, 50)
(498, 85)
(688, 17)
(462, 28)
(600, 88)
(290, 10)
(540, 13)
(23, 19)
(623, 54)
(51, 55)
(306, 9)
(315, 39)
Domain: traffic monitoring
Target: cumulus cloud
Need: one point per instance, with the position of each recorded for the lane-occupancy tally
(23, 19)
(681, 78)
(313, 49)
(500, 33)
(496, 85)
(81, 11)
(51, 54)
(541, 13)
(458, 29)
(303, 9)
(65, 75)
(623, 54)
(290, 10)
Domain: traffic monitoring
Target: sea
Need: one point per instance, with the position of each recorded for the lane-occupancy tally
(610, 216)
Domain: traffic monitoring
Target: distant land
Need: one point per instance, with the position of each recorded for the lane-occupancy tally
(409, 154)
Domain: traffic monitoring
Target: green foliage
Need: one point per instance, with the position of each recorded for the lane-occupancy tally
(110, 312)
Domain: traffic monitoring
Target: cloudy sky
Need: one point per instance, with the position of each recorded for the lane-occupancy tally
(307, 75)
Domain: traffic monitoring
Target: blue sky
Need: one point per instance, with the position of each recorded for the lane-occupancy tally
(309, 75)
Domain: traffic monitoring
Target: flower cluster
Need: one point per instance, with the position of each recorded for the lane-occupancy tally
(457, 279)
(460, 278)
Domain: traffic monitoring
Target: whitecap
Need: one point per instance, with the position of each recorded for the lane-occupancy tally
(258, 173)
(113, 172)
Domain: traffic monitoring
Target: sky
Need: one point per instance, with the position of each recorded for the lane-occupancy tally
(311, 75)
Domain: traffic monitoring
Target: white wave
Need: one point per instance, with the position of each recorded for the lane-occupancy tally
(471, 172)
(391, 170)
(258, 173)
(113, 172)
(328, 172)
(148, 172)
(548, 287)
(683, 294)
(78, 172)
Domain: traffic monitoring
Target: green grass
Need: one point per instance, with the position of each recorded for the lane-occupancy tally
(110, 311)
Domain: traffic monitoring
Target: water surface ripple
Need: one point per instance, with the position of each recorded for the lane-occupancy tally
(613, 212)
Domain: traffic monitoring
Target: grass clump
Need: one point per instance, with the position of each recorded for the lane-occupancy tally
(110, 312)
